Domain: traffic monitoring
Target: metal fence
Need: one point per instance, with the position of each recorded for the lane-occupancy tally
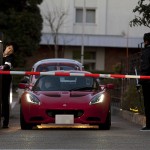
(129, 66)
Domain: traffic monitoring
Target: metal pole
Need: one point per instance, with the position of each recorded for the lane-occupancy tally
(1, 61)
(127, 50)
(83, 23)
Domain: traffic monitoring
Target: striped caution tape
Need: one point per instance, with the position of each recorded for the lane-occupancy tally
(61, 73)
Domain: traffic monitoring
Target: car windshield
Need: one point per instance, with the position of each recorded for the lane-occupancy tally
(65, 83)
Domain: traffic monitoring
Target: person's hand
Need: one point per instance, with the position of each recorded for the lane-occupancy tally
(9, 50)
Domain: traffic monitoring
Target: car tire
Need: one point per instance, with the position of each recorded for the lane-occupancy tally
(23, 124)
(107, 124)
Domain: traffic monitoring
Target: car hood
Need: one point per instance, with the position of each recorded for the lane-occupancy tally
(65, 97)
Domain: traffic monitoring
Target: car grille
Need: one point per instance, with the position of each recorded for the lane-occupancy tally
(93, 119)
(76, 113)
(37, 118)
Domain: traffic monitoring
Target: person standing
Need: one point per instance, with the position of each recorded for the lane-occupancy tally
(145, 71)
(8, 60)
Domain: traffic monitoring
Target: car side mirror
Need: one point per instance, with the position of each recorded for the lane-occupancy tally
(25, 79)
(23, 85)
(110, 86)
(107, 86)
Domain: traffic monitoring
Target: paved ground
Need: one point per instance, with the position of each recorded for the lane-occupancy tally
(124, 135)
(14, 112)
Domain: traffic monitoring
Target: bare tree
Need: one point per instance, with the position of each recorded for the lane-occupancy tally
(55, 18)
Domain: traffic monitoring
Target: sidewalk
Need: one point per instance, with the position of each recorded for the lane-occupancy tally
(130, 116)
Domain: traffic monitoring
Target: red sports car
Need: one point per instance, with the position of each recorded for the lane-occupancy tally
(66, 100)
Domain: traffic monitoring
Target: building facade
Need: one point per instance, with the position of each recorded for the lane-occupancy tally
(95, 32)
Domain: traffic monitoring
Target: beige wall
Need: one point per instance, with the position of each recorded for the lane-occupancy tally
(112, 17)
(100, 56)
(100, 59)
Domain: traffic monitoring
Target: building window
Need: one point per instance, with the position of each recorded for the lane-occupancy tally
(79, 15)
(89, 15)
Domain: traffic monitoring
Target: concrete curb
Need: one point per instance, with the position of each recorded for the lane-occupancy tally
(133, 117)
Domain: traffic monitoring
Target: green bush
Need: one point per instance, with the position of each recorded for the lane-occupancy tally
(132, 99)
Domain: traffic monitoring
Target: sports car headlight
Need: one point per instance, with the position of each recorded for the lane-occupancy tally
(32, 99)
(97, 99)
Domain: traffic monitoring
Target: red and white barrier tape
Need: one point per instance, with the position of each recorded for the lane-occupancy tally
(53, 73)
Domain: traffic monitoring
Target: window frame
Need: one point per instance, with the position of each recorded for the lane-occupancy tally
(81, 20)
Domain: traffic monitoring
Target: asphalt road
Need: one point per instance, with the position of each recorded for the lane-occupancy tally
(123, 135)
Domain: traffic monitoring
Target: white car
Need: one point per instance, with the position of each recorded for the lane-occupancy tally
(48, 65)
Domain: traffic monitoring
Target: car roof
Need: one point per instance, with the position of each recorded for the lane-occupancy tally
(71, 71)
(57, 60)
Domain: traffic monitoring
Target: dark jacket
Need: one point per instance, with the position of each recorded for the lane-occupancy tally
(145, 65)
(7, 65)
(6, 61)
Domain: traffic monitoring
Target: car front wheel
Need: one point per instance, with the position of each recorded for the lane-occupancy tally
(107, 124)
(23, 124)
